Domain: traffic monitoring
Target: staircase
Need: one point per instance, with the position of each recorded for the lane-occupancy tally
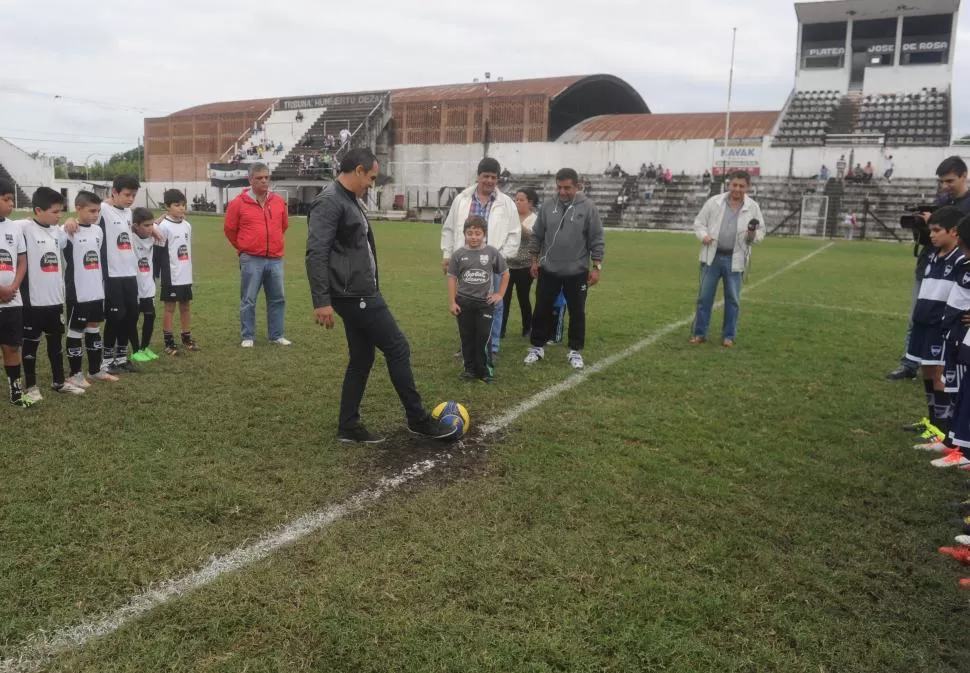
(845, 119)
(21, 199)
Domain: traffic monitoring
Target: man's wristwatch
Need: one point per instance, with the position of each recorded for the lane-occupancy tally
(598, 266)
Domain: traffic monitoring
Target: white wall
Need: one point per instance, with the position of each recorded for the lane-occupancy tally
(25, 170)
(822, 79)
(907, 78)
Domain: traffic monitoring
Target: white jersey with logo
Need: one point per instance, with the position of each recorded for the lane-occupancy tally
(11, 247)
(177, 243)
(83, 275)
(43, 285)
(144, 251)
(119, 256)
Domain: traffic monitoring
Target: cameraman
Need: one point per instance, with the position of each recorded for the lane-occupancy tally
(955, 192)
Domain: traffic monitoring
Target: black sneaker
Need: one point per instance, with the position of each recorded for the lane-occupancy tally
(359, 435)
(901, 374)
(429, 427)
(918, 426)
(488, 379)
(467, 376)
(127, 367)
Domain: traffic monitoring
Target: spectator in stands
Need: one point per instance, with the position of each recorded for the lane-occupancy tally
(956, 192)
(643, 170)
(255, 224)
(660, 173)
(849, 223)
(868, 172)
(299, 115)
(344, 136)
(504, 228)
(520, 266)
(331, 141)
(668, 176)
(651, 172)
(706, 178)
(617, 171)
(823, 174)
(857, 174)
(727, 226)
(888, 168)
(648, 192)
(840, 168)
(609, 169)
(504, 177)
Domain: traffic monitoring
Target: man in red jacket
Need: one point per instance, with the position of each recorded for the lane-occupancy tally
(255, 223)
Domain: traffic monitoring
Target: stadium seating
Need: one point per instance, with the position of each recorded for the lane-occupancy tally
(21, 199)
(807, 119)
(908, 119)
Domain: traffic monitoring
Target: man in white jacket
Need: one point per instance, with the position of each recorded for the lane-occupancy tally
(727, 226)
(484, 199)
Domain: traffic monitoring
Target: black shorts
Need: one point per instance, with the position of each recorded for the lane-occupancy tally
(43, 320)
(146, 306)
(121, 298)
(172, 293)
(12, 326)
(81, 313)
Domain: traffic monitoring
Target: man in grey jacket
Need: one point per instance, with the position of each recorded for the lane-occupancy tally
(567, 240)
(341, 264)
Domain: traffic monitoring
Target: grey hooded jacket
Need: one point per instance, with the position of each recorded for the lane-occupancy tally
(567, 236)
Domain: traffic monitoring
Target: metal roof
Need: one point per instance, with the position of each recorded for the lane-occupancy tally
(688, 126)
(549, 86)
(254, 105)
(843, 10)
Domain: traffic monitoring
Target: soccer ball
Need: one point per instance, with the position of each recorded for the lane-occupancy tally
(455, 415)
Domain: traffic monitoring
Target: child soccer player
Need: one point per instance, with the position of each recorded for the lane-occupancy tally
(13, 266)
(43, 293)
(926, 343)
(176, 271)
(142, 222)
(84, 286)
(955, 316)
(471, 273)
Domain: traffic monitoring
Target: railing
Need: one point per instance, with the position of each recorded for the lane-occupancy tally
(226, 156)
(370, 130)
(855, 139)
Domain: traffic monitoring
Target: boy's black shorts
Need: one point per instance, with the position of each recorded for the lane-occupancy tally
(12, 326)
(121, 298)
(81, 313)
(172, 293)
(146, 306)
(43, 320)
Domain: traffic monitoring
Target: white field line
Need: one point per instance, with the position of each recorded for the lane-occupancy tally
(42, 646)
(831, 307)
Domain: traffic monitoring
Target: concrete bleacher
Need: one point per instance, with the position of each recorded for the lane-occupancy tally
(908, 119)
(314, 143)
(808, 119)
(21, 198)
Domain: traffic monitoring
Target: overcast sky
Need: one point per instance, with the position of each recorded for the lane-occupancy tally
(111, 64)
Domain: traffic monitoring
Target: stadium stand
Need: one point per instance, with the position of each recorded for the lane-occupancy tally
(908, 119)
(808, 118)
(21, 196)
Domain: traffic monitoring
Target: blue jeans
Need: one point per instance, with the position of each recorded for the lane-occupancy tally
(265, 272)
(499, 311)
(710, 274)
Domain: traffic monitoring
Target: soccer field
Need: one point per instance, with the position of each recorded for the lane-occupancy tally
(688, 508)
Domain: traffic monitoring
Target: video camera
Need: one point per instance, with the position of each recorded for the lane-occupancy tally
(916, 224)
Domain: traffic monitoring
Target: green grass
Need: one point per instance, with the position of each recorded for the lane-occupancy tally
(690, 509)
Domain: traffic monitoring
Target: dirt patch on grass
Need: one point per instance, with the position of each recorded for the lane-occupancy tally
(462, 459)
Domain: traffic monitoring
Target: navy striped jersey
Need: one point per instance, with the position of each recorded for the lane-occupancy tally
(11, 247)
(177, 237)
(82, 263)
(118, 254)
(939, 277)
(43, 285)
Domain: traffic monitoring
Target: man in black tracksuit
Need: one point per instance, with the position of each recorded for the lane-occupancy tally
(567, 255)
(341, 264)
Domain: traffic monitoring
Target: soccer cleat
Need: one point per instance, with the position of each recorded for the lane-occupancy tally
(954, 459)
(697, 340)
(102, 375)
(282, 341)
(961, 554)
(33, 393)
(113, 367)
(150, 353)
(191, 346)
(359, 435)
(467, 376)
(79, 380)
(22, 401)
(965, 583)
(487, 379)
(141, 356)
(535, 354)
(932, 432)
(67, 388)
(963, 539)
(127, 366)
(172, 350)
(429, 427)
(901, 374)
(918, 426)
(247, 343)
(934, 445)
(575, 359)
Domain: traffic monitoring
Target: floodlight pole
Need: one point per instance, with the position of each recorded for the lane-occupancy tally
(727, 120)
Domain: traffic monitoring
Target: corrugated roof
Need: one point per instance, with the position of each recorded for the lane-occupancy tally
(843, 10)
(550, 86)
(689, 126)
(258, 105)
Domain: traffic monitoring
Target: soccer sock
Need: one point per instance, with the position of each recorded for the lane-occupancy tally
(147, 328)
(133, 335)
(75, 350)
(941, 410)
(928, 390)
(92, 342)
(30, 362)
(55, 353)
(121, 351)
(110, 338)
(13, 381)
(186, 337)
(169, 339)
